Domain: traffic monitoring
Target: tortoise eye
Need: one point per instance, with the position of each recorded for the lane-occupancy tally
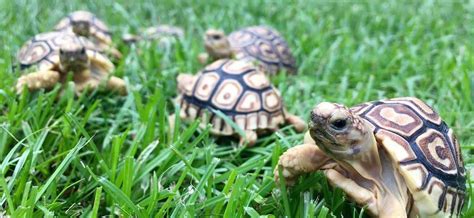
(339, 124)
(216, 37)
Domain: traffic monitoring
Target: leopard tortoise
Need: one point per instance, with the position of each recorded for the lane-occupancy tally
(241, 92)
(260, 44)
(49, 57)
(396, 157)
(161, 32)
(86, 24)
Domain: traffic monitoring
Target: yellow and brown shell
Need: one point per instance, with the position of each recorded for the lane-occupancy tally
(264, 45)
(42, 51)
(237, 89)
(425, 149)
(161, 31)
(98, 29)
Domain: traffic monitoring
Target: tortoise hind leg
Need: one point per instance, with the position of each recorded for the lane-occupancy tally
(45, 79)
(117, 84)
(296, 122)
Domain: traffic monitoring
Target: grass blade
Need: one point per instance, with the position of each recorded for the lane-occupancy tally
(62, 167)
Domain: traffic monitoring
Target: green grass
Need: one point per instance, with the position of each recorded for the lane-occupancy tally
(102, 154)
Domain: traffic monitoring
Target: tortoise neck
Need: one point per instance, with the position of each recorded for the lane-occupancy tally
(380, 174)
(74, 67)
(368, 163)
(82, 76)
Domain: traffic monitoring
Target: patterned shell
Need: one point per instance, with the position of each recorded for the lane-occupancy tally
(98, 29)
(160, 31)
(426, 150)
(42, 51)
(239, 91)
(265, 45)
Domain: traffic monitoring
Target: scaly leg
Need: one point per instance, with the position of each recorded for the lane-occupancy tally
(203, 58)
(378, 204)
(296, 121)
(305, 158)
(250, 138)
(89, 85)
(359, 194)
(37, 80)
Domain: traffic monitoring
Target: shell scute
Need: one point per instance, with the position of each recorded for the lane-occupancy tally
(265, 46)
(425, 149)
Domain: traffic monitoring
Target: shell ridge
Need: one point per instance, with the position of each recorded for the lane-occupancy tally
(274, 37)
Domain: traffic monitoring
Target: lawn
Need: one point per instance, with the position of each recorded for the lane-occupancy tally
(101, 154)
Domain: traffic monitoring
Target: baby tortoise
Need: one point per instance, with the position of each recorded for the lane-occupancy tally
(159, 32)
(241, 92)
(86, 24)
(260, 44)
(397, 157)
(51, 56)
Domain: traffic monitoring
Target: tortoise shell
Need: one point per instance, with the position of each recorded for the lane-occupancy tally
(42, 50)
(264, 45)
(98, 30)
(160, 31)
(425, 149)
(237, 89)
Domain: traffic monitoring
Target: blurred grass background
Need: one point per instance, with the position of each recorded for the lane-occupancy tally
(104, 155)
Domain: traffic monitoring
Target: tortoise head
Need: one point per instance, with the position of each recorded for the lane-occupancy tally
(73, 57)
(217, 44)
(81, 27)
(339, 132)
(185, 83)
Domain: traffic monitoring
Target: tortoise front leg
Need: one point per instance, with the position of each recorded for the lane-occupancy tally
(359, 194)
(88, 84)
(45, 79)
(378, 203)
(305, 158)
(203, 58)
(296, 121)
(250, 138)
